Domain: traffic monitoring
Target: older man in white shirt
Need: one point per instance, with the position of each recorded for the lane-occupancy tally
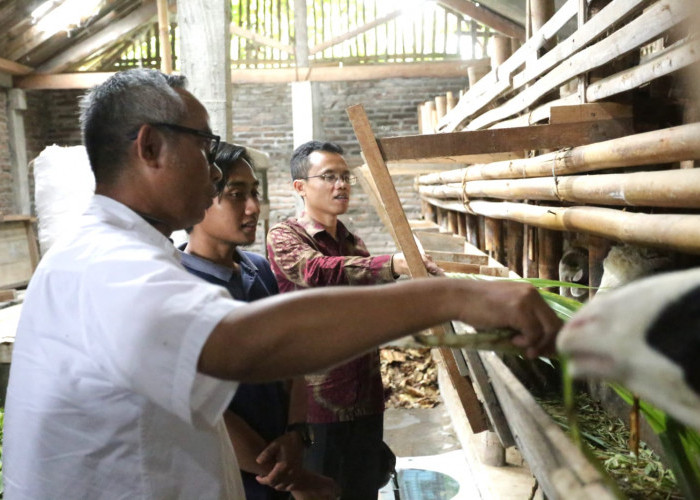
(124, 362)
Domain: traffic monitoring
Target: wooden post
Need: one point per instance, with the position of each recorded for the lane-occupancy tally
(514, 247)
(541, 11)
(462, 224)
(426, 119)
(16, 108)
(407, 245)
(499, 50)
(166, 56)
(473, 230)
(205, 57)
(549, 254)
(451, 100)
(481, 225)
(453, 222)
(493, 230)
(440, 106)
(597, 251)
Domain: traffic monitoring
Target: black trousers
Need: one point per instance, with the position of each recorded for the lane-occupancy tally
(350, 453)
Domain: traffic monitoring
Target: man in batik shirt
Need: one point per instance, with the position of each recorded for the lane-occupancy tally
(345, 404)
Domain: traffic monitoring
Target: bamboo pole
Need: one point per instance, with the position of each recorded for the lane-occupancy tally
(675, 231)
(650, 148)
(676, 188)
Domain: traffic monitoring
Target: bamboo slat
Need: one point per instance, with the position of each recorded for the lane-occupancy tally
(680, 55)
(659, 146)
(609, 15)
(498, 80)
(653, 22)
(677, 188)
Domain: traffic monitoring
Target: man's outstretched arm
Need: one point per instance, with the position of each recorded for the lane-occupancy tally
(306, 331)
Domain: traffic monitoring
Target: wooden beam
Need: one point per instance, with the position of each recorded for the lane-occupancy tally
(14, 68)
(106, 36)
(62, 81)
(353, 33)
(442, 69)
(454, 145)
(260, 39)
(487, 17)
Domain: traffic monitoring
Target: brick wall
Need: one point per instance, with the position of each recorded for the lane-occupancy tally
(262, 118)
(391, 106)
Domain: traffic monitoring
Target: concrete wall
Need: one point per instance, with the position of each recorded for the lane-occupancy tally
(262, 118)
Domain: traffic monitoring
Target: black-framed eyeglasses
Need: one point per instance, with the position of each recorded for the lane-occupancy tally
(214, 140)
(331, 178)
(212, 147)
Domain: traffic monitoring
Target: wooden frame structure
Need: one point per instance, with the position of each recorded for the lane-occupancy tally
(523, 186)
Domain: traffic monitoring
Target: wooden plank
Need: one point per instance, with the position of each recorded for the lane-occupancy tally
(458, 267)
(370, 188)
(440, 241)
(465, 258)
(404, 235)
(18, 252)
(543, 444)
(589, 112)
(485, 16)
(452, 146)
(493, 408)
(14, 68)
(653, 22)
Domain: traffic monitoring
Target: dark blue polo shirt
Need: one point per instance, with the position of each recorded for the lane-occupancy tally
(263, 406)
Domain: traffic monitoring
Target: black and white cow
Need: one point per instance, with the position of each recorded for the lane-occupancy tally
(646, 336)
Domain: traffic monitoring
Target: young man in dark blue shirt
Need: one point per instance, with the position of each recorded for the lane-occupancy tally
(259, 413)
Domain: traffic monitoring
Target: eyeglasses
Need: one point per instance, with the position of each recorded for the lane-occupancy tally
(213, 146)
(333, 178)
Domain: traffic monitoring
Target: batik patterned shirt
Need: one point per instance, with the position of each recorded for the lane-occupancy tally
(304, 255)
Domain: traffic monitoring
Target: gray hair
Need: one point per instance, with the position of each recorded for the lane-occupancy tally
(112, 113)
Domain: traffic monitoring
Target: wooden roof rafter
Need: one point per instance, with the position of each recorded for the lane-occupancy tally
(109, 34)
(485, 16)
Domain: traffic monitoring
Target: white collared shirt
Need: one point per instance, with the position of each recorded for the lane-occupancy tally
(104, 399)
